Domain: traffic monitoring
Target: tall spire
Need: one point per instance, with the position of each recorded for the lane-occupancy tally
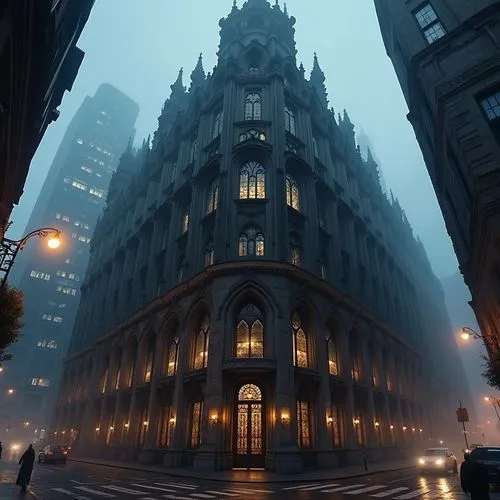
(177, 87)
(318, 81)
(198, 74)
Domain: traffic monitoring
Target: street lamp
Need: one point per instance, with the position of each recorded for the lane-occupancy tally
(467, 333)
(10, 248)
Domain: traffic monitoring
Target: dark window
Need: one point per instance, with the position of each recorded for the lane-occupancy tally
(345, 266)
(289, 120)
(213, 196)
(218, 120)
(491, 106)
(429, 23)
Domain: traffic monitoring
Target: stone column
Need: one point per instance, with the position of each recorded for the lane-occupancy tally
(346, 364)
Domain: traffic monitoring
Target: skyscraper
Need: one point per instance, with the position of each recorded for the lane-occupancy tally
(446, 57)
(71, 199)
(253, 298)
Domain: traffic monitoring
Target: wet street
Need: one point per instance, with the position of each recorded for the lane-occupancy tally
(90, 482)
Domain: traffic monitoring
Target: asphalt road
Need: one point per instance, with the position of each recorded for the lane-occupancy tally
(89, 482)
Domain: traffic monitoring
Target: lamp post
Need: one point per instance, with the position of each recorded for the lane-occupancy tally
(10, 248)
(467, 333)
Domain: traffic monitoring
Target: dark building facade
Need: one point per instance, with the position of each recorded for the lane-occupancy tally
(252, 297)
(39, 61)
(72, 198)
(447, 58)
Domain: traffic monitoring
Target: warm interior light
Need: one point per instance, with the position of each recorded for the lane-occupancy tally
(421, 430)
(54, 242)
(214, 418)
(392, 427)
(126, 425)
(172, 420)
(356, 421)
(329, 419)
(377, 424)
(111, 428)
(404, 427)
(413, 429)
(486, 398)
(145, 422)
(97, 429)
(1, 369)
(10, 391)
(285, 418)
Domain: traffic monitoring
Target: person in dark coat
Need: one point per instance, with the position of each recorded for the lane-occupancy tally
(474, 479)
(26, 461)
(1, 450)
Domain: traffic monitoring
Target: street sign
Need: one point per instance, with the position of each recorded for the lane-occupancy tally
(462, 415)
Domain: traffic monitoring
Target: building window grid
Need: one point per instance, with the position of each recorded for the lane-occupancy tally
(337, 426)
(252, 181)
(300, 344)
(333, 356)
(196, 424)
(292, 193)
(213, 197)
(40, 275)
(173, 357)
(40, 382)
(250, 333)
(251, 243)
(491, 106)
(165, 427)
(201, 345)
(304, 424)
(429, 23)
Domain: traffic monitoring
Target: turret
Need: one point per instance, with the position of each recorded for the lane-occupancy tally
(198, 75)
(317, 80)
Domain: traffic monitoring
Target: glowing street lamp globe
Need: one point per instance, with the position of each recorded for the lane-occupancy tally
(464, 335)
(54, 242)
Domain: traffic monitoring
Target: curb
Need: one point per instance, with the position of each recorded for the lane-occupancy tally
(224, 480)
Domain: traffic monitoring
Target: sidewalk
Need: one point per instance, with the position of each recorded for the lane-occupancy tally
(244, 476)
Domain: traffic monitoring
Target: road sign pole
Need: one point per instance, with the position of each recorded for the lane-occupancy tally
(465, 430)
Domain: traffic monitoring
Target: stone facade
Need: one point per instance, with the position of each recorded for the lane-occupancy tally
(451, 83)
(253, 297)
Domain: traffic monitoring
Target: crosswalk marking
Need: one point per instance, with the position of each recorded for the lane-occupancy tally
(124, 490)
(182, 486)
(95, 492)
(70, 493)
(390, 492)
(299, 487)
(201, 495)
(173, 497)
(344, 488)
(366, 490)
(156, 488)
(412, 494)
(224, 493)
(319, 487)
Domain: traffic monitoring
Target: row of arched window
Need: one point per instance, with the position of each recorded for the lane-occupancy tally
(249, 343)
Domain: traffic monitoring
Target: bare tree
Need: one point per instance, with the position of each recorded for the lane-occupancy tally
(11, 312)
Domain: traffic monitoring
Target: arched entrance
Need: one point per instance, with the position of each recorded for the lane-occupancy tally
(249, 445)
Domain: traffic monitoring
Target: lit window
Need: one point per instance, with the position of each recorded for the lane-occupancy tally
(429, 23)
(289, 120)
(57, 319)
(195, 423)
(61, 274)
(67, 290)
(173, 357)
(79, 185)
(252, 181)
(97, 192)
(253, 106)
(303, 424)
(47, 344)
(324, 271)
(87, 169)
(491, 106)
(213, 196)
(315, 147)
(201, 345)
(79, 141)
(150, 359)
(300, 350)
(39, 275)
(58, 216)
(333, 356)
(65, 218)
(251, 243)
(40, 382)
(250, 333)
(292, 193)
(356, 362)
(47, 317)
(219, 118)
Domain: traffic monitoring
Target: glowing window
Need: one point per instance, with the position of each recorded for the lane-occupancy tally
(252, 181)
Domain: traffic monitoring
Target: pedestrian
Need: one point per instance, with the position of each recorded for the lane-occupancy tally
(1, 450)
(474, 479)
(26, 461)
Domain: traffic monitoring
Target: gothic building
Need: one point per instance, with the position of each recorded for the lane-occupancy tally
(253, 299)
(446, 57)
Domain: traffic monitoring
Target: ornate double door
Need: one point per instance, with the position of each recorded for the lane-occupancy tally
(249, 446)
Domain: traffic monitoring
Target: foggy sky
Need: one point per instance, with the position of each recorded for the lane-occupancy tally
(139, 45)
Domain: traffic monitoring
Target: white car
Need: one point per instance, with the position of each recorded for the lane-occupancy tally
(438, 459)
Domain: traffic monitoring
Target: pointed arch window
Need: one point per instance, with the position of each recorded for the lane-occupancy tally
(292, 193)
(250, 333)
(251, 243)
(295, 251)
(104, 379)
(253, 106)
(213, 196)
(252, 181)
(289, 120)
(131, 372)
(304, 424)
(315, 147)
(218, 121)
(118, 371)
(201, 345)
(356, 362)
(333, 355)
(150, 359)
(300, 342)
(210, 255)
(172, 357)
(194, 151)
(185, 221)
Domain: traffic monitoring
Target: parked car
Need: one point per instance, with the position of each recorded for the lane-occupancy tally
(53, 454)
(438, 459)
(490, 457)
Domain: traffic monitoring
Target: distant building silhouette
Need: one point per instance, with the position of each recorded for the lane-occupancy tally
(447, 61)
(71, 199)
(253, 298)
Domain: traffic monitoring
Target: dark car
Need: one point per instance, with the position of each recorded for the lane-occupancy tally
(489, 456)
(53, 454)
